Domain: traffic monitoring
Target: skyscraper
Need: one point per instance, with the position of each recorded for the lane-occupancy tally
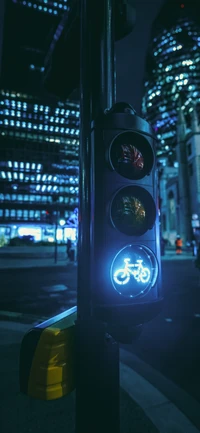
(172, 69)
(39, 146)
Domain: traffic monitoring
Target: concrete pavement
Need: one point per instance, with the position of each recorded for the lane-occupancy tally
(143, 407)
(43, 260)
(149, 402)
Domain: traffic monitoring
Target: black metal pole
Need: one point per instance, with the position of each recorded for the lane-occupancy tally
(107, 58)
(84, 231)
(56, 242)
(97, 354)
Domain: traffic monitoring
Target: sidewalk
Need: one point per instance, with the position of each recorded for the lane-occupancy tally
(143, 408)
(18, 263)
(31, 263)
(170, 254)
(21, 414)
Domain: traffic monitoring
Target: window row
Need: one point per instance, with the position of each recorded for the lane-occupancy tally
(36, 198)
(25, 214)
(40, 127)
(38, 137)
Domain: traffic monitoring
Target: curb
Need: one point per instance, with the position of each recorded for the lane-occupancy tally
(172, 393)
(161, 411)
(166, 405)
(35, 266)
(23, 318)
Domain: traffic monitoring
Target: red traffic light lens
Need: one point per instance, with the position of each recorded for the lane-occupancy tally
(134, 271)
(131, 155)
(133, 210)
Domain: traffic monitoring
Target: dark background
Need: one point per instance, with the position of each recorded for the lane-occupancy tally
(131, 52)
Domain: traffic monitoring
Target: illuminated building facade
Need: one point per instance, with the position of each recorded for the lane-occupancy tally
(180, 186)
(39, 159)
(172, 70)
(39, 135)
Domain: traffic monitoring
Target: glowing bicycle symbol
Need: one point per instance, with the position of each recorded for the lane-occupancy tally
(141, 274)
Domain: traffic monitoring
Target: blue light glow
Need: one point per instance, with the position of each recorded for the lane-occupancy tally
(134, 271)
(140, 273)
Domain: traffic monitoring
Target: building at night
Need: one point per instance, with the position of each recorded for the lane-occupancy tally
(180, 186)
(172, 71)
(39, 134)
(171, 103)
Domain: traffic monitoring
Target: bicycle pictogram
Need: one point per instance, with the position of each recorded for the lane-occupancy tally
(140, 273)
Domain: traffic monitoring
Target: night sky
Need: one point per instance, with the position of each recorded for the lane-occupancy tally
(131, 52)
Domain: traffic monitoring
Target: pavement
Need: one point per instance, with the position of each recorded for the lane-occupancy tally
(144, 408)
(149, 402)
(40, 262)
(10, 262)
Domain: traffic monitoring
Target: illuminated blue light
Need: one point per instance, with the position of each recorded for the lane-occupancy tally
(134, 271)
(140, 273)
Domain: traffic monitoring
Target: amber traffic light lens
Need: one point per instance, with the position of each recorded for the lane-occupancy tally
(133, 210)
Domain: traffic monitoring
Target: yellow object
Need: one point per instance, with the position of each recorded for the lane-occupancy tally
(47, 358)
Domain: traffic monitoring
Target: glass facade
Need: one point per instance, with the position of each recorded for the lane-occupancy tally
(39, 134)
(39, 150)
(172, 70)
(45, 6)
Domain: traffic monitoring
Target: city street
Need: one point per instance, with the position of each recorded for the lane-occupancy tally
(170, 343)
(42, 292)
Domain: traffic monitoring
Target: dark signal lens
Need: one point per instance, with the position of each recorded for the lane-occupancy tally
(133, 211)
(131, 155)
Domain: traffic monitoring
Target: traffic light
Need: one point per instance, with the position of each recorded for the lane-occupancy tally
(126, 271)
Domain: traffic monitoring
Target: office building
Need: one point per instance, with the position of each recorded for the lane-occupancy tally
(172, 71)
(39, 135)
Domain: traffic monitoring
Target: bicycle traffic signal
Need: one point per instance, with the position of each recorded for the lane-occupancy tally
(126, 273)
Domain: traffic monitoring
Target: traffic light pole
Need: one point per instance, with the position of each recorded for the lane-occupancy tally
(97, 354)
